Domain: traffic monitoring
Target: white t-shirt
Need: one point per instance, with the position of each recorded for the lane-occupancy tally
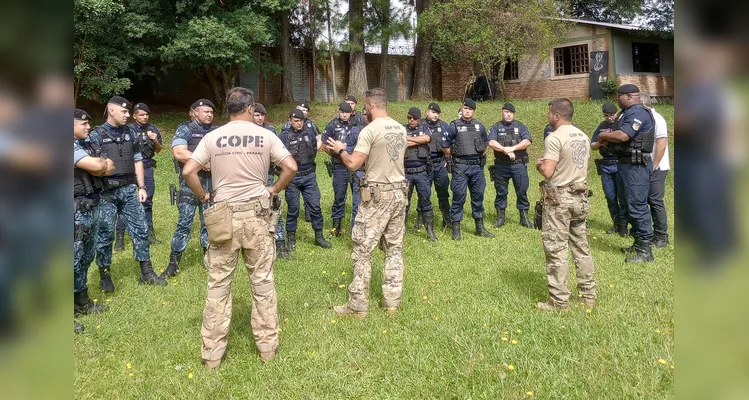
(661, 131)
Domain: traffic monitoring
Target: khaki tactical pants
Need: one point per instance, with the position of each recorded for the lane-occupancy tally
(563, 224)
(375, 219)
(251, 237)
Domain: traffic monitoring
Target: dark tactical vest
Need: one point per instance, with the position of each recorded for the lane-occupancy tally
(341, 133)
(605, 150)
(119, 148)
(302, 146)
(509, 136)
(197, 133)
(147, 148)
(468, 140)
(438, 131)
(84, 183)
(642, 142)
(416, 154)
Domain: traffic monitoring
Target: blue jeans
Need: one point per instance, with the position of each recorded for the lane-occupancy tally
(341, 183)
(616, 205)
(148, 205)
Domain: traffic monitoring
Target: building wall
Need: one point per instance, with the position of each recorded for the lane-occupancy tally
(654, 85)
(623, 54)
(454, 78)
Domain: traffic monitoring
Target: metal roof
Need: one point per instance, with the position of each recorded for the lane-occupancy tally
(605, 24)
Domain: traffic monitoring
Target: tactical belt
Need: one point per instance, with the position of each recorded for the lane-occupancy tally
(416, 170)
(436, 160)
(607, 161)
(507, 161)
(468, 162)
(307, 171)
(113, 183)
(568, 188)
(149, 163)
(203, 175)
(253, 206)
(386, 187)
(335, 161)
(85, 203)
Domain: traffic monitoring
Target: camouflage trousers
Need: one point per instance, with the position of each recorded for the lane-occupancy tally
(563, 225)
(251, 237)
(375, 219)
(84, 232)
(123, 201)
(186, 209)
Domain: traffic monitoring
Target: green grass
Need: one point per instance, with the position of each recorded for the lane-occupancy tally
(458, 300)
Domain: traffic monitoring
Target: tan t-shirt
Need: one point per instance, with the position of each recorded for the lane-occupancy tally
(384, 141)
(569, 146)
(240, 154)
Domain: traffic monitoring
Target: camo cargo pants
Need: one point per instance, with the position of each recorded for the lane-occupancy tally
(251, 237)
(376, 219)
(563, 225)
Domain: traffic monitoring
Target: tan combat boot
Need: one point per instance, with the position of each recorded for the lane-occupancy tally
(212, 364)
(345, 310)
(549, 305)
(589, 303)
(391, 310)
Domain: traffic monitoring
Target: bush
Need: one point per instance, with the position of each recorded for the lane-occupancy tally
(609, 87)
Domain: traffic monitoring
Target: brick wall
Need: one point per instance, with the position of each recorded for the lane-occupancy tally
(454, 78)
(573, 88)
(654, 85)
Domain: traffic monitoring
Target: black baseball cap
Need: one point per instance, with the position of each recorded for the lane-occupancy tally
(345, 107)
(296, 113)
(120, 101)
(609, 108)
(81, 115)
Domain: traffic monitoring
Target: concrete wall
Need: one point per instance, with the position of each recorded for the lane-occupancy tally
(623, 54)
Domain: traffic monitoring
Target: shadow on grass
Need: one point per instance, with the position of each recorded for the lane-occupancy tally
(530, 285)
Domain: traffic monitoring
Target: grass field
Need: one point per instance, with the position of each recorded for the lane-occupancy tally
(468, 326)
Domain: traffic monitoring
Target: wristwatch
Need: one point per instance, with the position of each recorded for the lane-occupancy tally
(341, 151)
(142, 187)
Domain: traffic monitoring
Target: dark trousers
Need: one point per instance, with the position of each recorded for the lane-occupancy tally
(148, 205)
(441, 181)
(306, 186)
(615, 203)
(519, 175)
(655, 201)
(635, 179)
(465, 178)
(341, 184)
(422, 182)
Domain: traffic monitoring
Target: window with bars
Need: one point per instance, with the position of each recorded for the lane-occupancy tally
(571, 60)
(511, 70)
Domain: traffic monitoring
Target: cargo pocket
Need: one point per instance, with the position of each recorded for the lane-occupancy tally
(218, 223)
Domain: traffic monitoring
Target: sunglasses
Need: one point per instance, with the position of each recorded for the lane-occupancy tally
(411, 118)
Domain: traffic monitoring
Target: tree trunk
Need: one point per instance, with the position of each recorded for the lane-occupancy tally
(501, 94)
(384, 43)
(215, 80)
(422, 89)
(330, 51)
(357, 80)
(287, 95)
(313, 37)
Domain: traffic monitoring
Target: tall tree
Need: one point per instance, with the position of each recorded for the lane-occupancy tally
(658, 15)
(357, 80)
(614, 11)
(220, 42)
(491, 31)
(422, 89)
(383, 22)
(287, 94)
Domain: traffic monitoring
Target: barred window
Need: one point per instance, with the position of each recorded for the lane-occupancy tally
(511, 70)
(571, 60)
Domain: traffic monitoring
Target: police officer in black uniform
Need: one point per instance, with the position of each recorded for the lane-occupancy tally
(632, 143)
(303, 143)
(88, 167)
(122, 193)
(466, 143)
(339, 129)
(303, 106)
(608, 168)
(509, 138)
(149, 139)
(418, 168)
(439, 130)
(356, 117)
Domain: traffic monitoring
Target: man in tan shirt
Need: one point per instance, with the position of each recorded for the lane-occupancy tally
(565, 208)
(382, 148)
(240, 220)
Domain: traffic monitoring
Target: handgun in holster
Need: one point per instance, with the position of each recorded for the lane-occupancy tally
(538, 213)
(449, 164)
(177, 170)
(329, 167)
(275, 212)
(492, 168)
(174, 195)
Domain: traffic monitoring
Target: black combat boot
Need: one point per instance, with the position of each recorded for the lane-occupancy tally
(661, 242)
(83, 305)
(148, 276)
(631, 249)
(172, 269)
(445, 210)
(525, 220)
(281, 251)
(643, 253)
(152, 239)
(119, 241)
(78, 327)
(456, 230)
(382, 245)
(623, 228)
(419, 220)
(106, 284)
(429, 225)
(320, 240)
(500, 218)
(336, 227)
(481, 231)
(614, 228)
(291, 240)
